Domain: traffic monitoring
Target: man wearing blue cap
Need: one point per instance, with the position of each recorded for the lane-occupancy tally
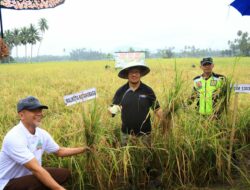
(22, 150)
(207, 90)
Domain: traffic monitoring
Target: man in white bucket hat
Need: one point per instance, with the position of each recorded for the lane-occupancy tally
(134, 99)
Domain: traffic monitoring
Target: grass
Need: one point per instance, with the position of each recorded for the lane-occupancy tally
(195, 152)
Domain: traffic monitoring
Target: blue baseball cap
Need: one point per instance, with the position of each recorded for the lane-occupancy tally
(29, 103)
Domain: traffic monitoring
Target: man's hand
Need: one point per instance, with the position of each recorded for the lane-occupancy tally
(159, 113)
(114, 109)
(162, 118)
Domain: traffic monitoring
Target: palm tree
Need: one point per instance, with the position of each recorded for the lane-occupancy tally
(16, 39)
(33, 37)
(43, 26)
(9, 40)
(24, 35)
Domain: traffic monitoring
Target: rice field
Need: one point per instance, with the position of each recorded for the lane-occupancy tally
(196, 152)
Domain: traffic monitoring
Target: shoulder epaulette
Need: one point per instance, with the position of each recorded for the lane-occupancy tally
(219, 76)
(196, 77)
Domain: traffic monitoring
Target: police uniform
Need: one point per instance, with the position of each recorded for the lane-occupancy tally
(207, 91)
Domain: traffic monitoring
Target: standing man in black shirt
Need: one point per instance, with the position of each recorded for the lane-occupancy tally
(134, 99)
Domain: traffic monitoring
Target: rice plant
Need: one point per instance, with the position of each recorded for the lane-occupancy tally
(195, 151)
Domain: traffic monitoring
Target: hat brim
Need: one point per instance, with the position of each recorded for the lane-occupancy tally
(144, 70)
(207, 62)
(35, 107)
(38, 107)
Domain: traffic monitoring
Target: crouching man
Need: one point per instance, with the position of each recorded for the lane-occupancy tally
(22, 150)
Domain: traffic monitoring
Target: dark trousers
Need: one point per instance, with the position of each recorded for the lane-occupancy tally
(30, 182)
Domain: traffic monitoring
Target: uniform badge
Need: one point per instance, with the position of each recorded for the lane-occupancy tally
(199, 84)
(213, 83)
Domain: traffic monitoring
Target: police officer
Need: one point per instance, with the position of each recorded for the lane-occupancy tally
(208, 88)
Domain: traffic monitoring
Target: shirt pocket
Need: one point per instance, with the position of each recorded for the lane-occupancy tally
(143, 101)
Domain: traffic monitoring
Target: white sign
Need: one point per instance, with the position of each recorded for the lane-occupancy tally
(80, 96)
(124, 58)
(242, 88)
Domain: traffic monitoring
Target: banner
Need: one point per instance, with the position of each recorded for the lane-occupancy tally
(80, 97)
(123, 58)
(242, 88)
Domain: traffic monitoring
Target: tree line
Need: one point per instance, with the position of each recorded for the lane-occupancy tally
(32, 35)
(237, 47)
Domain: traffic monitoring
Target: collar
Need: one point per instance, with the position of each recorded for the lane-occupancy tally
(139, 87)
(212, 74)
(26, 131)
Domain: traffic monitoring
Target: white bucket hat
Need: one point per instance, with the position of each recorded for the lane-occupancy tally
(142, 67)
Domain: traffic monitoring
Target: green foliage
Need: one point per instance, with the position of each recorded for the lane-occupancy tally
(241, 46)
(84, 54)
(24, 36)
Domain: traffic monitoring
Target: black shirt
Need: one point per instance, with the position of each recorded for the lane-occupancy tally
(135, 108)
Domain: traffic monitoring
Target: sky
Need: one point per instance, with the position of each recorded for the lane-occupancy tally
(112, 25)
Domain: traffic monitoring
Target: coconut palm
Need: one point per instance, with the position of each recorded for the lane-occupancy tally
(9, 39)
(16, 39)
(33, 37)
(24, 35)
(43, 26)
